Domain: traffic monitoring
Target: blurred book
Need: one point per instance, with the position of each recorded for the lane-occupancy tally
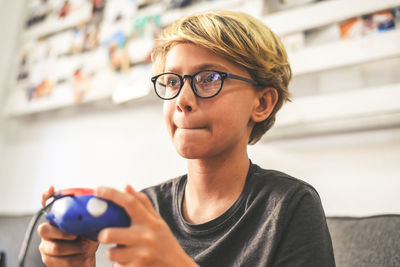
(367, 24)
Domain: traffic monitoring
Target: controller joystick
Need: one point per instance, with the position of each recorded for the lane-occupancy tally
(77, 211)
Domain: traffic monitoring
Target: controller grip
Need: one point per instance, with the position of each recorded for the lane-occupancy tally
(86, 215)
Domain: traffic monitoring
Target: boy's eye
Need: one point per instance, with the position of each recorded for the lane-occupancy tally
(172, 81)
(208, 77)
(212, 77)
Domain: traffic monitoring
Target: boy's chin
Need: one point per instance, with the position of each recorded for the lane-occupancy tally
(190, 153)
(196, 154)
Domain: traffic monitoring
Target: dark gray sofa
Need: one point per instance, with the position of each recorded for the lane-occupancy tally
(12, 232)
(366, 241)
(357, 241)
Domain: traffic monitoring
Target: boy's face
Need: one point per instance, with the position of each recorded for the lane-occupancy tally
(214, 127)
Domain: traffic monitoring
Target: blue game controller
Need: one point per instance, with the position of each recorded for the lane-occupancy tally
(77, 211)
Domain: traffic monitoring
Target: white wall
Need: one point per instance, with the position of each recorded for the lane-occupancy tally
(10, 14)
(85, 149)
(355, 173)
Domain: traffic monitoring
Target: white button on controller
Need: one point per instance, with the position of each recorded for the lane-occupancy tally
(61, 207)
(96, 207)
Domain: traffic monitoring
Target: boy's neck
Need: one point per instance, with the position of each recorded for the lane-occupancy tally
(213, 186)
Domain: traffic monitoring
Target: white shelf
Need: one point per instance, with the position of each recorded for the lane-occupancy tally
(106, 85)
(170, 16)
(323, 13)
(366, 108)
(62, 96)
(346, 53)
(54, 24)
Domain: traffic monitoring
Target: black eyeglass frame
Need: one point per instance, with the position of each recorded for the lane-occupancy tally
(224, 76)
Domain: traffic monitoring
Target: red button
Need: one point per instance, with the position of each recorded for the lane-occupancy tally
(76, 191)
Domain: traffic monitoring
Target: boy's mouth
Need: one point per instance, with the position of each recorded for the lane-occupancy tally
(189, 126)
(192, 128)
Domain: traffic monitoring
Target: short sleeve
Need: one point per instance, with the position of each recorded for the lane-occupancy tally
(305, 240)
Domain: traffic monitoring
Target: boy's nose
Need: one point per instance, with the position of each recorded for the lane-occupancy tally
(186, 100)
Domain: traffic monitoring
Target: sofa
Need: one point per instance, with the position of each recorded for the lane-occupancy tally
(372, 241)
(12, 233)
(366, 241)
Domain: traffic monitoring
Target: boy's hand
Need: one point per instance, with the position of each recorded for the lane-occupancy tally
(59, 249)
(148, 241)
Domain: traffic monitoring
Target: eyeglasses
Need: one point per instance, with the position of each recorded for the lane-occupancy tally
(205, 83)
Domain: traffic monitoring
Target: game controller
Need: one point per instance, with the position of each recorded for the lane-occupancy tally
(77, 211)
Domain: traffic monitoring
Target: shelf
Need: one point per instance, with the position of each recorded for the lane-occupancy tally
(54, 24)
(62, 97)
(323, 13)
(361, 109)
(309, 60)
(346, 53)
(171, 15)
(106, 85)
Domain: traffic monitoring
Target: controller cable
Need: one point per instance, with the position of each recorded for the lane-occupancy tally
(29, 231)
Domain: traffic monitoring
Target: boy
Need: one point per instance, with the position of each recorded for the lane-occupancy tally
(223, 76)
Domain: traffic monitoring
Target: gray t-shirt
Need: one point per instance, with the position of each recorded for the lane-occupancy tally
(276, 221)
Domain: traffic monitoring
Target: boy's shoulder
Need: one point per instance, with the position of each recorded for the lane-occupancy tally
(277, 183)
(275, 176)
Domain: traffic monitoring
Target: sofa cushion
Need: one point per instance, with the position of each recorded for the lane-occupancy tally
(366, 241)
(12, 233)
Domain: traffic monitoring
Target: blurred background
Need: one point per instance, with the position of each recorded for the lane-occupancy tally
(78, 110)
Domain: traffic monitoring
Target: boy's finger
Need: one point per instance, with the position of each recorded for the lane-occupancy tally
(48, 231)
(136, 256)
(143, 199)
(132, 205)
(120, 236)
(60, 247)
(72, 260)
(134, 235)
(47, 194)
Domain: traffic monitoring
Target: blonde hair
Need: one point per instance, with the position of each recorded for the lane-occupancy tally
(241, 39)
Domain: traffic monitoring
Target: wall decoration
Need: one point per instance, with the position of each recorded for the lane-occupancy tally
(74, 50)
(79, 51)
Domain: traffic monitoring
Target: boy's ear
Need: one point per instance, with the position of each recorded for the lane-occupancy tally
(265, 103)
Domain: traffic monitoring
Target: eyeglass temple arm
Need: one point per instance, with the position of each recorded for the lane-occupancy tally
(163, 85)
(233, 76)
